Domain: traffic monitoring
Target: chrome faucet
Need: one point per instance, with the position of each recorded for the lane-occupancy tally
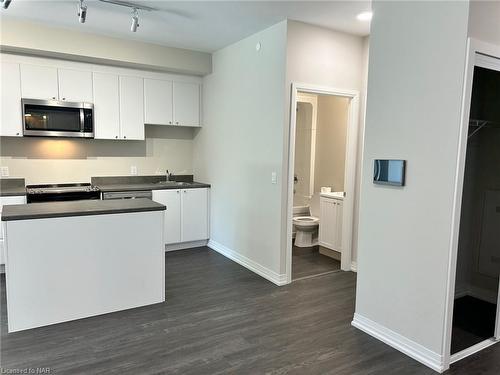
(169, 175)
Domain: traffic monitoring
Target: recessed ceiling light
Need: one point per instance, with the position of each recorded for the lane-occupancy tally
(365, 16)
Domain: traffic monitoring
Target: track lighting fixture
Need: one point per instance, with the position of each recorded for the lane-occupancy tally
(6, 3)
(135, 20)
(82, 12)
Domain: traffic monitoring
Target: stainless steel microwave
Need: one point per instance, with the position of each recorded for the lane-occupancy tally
(52, 118)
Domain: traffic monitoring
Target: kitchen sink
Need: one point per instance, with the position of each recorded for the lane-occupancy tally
(174, 183)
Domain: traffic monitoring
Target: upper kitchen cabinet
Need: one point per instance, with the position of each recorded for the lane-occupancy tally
(186, 103)
(39, 82)
(50, 83)
(158, 106)
(106, 106)
(132, 108)
(75, 85)
(10, 117)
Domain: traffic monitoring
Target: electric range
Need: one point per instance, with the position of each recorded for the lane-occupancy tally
(61, 192)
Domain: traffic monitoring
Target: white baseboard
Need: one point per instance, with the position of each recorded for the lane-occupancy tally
(483, 294)
(248, 263)
(354, 266)
(412, 349)
(185, 245)
(461, 291)
(476, 292)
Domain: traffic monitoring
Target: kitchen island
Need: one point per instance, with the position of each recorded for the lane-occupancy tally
(72, 260)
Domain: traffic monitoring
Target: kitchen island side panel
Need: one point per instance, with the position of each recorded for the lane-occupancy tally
(61, 269)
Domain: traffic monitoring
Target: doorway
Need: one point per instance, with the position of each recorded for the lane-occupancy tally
(475, 320)
(321, 183)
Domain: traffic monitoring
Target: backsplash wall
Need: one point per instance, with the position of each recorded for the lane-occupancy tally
(58, 160)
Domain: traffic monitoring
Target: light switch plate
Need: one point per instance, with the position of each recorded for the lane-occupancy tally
(274, 178)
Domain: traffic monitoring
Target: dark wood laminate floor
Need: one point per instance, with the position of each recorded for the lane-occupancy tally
(308, 262)
(220, 318)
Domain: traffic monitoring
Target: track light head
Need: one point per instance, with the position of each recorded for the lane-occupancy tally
(6, 3)
(135, 21)
(82, 12)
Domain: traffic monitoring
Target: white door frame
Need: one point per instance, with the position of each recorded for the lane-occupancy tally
(350, 169)
(474, 48)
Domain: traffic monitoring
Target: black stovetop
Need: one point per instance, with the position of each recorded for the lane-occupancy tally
(61, 192)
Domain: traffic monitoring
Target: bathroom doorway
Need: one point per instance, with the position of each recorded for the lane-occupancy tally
(475, 304)
(322, 163)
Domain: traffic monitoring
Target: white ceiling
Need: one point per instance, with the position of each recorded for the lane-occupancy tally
(199, 25)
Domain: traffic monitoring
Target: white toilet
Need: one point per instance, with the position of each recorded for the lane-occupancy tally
(307, 226)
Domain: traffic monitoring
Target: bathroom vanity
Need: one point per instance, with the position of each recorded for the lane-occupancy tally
(330, 229)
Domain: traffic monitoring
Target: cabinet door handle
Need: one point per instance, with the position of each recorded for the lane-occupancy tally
(178, 191)
(54, 97)
(64, 98)
(170, 122)
(177, 123)
(124, 137)
(116, 137)
(17, 133)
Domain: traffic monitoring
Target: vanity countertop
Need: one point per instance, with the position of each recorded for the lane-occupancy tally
(333, 195)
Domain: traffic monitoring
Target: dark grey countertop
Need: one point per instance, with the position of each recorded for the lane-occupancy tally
(137, 183)
(78, 208)
(12, 186)
(151, 186)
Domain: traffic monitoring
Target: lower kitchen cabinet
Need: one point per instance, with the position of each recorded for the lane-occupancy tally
(4, 201)
(194, 214)
(186, 216)
(330, 227)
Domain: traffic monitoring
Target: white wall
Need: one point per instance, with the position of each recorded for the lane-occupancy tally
(37, 39)
(484, 21)
(240, 145)
(415, 82)
(43, 160)
(319, 56)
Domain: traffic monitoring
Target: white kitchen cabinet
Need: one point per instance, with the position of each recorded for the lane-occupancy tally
(330, 223)
(106, 106)
(186, 103)
(158, 105)
(131, 108)
(186, 216)
(194, 220)
(4, 201)
(11, 116)
(75, 85)
(172, 222)
(39, 82)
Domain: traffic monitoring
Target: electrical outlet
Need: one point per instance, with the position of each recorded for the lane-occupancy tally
(133, 170)
(5, 171)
